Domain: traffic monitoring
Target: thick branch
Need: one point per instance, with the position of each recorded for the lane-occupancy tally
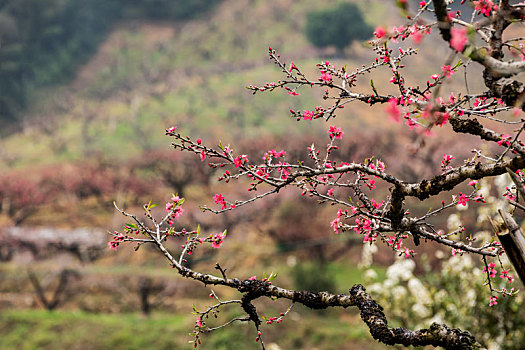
(497, 72)
(437, 335)
(446, 182)
(371, 312)
(513, 242)
(440, 9)
(512, 92)
(474, 127)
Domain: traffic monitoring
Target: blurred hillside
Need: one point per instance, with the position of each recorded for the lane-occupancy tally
(147, 76)
(101, 134)
(43, 43)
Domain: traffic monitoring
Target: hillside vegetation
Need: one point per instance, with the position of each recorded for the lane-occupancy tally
(43, 43)
(147, 76)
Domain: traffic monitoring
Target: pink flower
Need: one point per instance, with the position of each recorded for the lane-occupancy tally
(178, 212)
(198, 323)
(458, 38)
(240, 160)
(417, 37)
(203, 156)
(118, 237)
(292, 66)
(218, 198)
(462, 199)
(335, 225)
(392, 110)
(308, 115)
(335, 133)
(218, 240)
(505, 274)
(330, 192)
(172, 129)
(446, 160)
(492, 272)
(326, 77)
(375, 204)
(493, 300)
(379, 32)
(274, 154)
(508, 194)
(484, 6)
(442, 118)
(479, 199)
(253, 278)
(447, 71)
(473, 183)
(504, 140)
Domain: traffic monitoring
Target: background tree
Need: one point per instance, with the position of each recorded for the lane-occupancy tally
(44, 43)
(338, 26)
(352, 186)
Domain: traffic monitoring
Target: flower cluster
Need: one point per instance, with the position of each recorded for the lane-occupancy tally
(174, 207)
(445, 163)
(484, 7)
(335, 133)
(490, 271)
(117, 239)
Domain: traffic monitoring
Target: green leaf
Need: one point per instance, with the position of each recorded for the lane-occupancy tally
(459, 64)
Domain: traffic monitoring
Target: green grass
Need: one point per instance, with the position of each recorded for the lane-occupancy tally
(35, 329)
(38, 329)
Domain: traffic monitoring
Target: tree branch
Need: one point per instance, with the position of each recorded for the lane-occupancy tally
(371, 312)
